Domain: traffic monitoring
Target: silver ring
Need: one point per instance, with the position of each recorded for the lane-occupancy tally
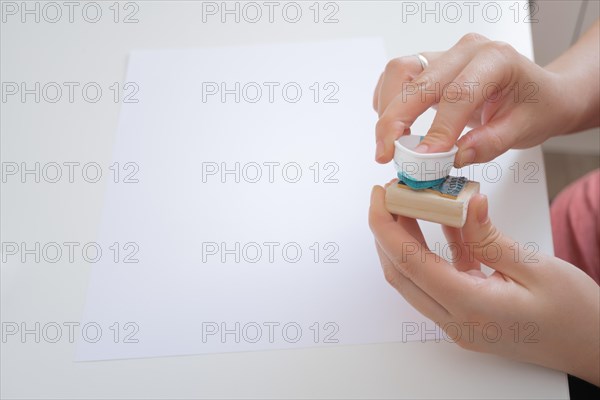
(422, 60)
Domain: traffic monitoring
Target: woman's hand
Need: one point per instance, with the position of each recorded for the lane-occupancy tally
(548, 311)
(509, 101)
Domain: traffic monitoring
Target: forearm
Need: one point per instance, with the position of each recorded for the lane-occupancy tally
(580, 80)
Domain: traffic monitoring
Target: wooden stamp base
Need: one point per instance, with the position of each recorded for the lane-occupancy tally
(430, 205)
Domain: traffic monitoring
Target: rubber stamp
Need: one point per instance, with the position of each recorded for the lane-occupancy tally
(424, 189)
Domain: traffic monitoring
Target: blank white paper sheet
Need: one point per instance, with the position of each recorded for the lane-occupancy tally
(245, 175)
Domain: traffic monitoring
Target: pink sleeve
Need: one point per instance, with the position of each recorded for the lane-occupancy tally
(575, 215)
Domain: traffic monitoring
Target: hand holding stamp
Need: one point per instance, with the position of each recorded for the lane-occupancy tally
(424, 189)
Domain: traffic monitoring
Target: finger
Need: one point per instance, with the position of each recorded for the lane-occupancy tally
(475, 119)
(376, 93)
(415, 97)
(397, 72)
(411, 226)
(420, 300)
(488, 245)
(490, 140)
(485, 76)
(425, 269)
(393, 181)
(460, 253)
(394, 121)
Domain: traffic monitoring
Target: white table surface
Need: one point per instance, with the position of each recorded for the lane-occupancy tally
(84, 52)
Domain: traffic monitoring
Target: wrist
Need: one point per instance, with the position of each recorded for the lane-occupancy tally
(569, 108)
(586, 348)
(589, 370)
(577, 99)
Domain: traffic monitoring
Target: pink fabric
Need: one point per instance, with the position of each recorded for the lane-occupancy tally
(575, 216)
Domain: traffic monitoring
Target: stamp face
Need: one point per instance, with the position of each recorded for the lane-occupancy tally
(449, 187)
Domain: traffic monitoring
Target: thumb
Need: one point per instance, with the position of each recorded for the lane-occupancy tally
(487, 142)
(492, 248)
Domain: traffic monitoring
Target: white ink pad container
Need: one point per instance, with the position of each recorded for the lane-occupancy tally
(421, 170)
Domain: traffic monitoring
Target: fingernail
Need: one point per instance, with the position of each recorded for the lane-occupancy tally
(482, 212)
(421, 148)
(379, 149)
(466, 157)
